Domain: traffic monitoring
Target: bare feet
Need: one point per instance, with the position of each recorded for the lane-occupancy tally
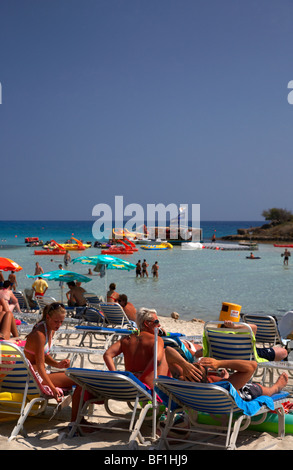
(281, 382)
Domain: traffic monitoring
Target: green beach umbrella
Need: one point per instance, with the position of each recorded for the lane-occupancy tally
(61, 275)
(105, 262)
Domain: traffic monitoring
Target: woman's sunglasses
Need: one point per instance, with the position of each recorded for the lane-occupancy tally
(55, 306)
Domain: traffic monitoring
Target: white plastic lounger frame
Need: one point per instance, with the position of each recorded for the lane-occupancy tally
(226, 343)
(267, 329)
(215, 400)
(105, 386)
(115, 315)
(93, 300)
(18, 377)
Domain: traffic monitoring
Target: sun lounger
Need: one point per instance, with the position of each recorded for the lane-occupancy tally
(267, 329)
(109, 335)
(214, 399)
(25, 395)
(226, 343)
(22, 301)
(93, 300)
(115, 316)
(107, 385)
(76, 352)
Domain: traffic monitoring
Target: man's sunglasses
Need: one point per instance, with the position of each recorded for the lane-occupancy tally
(155, 322)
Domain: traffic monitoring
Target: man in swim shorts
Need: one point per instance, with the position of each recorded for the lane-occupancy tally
(210, 370)
(144, 269)
(138, 268)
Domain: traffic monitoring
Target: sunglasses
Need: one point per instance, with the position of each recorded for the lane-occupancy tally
(55, 306)
(155, 322)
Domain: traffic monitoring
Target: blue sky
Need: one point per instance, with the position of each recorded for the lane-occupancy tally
(161, 101)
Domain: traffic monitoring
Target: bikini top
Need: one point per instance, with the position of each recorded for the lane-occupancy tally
(47, 346)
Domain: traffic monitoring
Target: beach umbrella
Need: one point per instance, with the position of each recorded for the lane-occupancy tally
(7, 264)
(111, 262)
(61, 275)
(105, 262)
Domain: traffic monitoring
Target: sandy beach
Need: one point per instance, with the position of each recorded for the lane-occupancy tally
(45, 435)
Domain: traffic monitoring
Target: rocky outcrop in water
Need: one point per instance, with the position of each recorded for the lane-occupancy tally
(271, 233)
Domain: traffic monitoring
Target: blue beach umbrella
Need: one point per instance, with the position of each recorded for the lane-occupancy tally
(61, 275)
(104, 262)
(111, 262)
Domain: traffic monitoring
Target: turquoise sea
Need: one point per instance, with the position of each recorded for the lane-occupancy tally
(193, 283)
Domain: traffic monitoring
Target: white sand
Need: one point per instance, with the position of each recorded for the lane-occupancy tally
(40, 439)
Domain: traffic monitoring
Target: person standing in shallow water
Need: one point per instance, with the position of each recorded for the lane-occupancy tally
(138, 268)
(286, 255)
(144, 269)
(155, 269)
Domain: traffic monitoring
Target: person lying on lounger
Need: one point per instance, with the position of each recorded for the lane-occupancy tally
(276, 353)
(210, 370)
(138, 350)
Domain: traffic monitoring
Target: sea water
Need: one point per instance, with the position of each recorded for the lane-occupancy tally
(193, 283)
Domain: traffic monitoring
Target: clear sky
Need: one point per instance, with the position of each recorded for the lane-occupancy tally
(161, 101)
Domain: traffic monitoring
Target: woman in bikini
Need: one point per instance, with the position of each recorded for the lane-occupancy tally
(112, 295)
(37, 351)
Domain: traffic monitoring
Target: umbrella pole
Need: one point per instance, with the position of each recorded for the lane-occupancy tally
(155, 376)
(61, 293)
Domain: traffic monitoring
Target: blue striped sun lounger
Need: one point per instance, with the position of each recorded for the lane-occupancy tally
(219, 399)
(103, 386)
(23, 394)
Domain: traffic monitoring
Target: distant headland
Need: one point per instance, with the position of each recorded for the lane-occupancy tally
(279, 228)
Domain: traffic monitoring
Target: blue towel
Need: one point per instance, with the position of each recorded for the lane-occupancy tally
(184, 350)
(248, 408)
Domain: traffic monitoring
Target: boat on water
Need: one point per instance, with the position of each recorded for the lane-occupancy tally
(126, 248)
(283, 246)
(192, 246)
(162, 246)
(78, 246)
(125, 233)
(252, 245)
(175, 233)
(50, 252)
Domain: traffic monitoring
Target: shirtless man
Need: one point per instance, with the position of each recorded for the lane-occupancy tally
(138, 350)
(38, 269)
(155, 269)
(75, 295)
(286, 255)
(128, 307)
(144, 269)
(13, 281)
(138, 268)
(206, 371)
